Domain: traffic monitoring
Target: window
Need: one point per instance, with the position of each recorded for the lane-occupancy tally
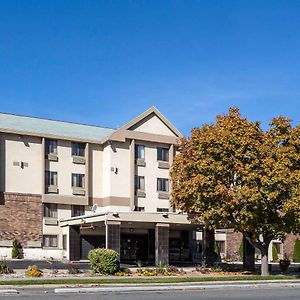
(221, 246)
(139, 208)
(139, 152)
(139, 183)
(78, 149)
(51, 146)
(77, 210)
(50, 241)
(51, 178)
(162, 210)
(78, 180)
(50, 210)
(162, 154)
(162, 184)
(64, 241)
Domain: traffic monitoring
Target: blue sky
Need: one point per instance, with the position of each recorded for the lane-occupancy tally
(105, 62)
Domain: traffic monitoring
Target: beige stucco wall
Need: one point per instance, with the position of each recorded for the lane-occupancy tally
(95, 172)
(15, 148)
(64, 167)
(151, 172)
(153, 125)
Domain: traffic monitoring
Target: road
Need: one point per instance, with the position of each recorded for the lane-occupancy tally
(286, 293)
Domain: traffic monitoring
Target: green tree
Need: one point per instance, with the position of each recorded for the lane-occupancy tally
(232, 174)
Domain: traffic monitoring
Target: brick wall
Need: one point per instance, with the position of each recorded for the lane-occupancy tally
(233, 242)
(288, 245)
(20, 217)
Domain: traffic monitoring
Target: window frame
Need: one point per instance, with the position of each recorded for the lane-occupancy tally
(162, 209)
(139, 149)
(51, 176)
(78, 149)
(52, 237)
(139, 183)
(77, 176)
(163, 185)
(139, 208)
(75, 212)
(50, 143)
(163, 154)
(50, 210)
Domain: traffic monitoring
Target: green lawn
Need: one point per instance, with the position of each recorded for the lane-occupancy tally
(138, 280)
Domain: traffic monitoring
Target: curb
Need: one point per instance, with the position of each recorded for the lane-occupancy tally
(9, 292)
(173, 287)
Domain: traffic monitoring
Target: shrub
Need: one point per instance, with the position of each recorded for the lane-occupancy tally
(296, 253)
(15, 252)
(241, 250)
(149, 272)
(124, 272)
(161, 268)
(104, 261)
(275, 254)
(73, 269)
(33, 271)
(139, 264)
(4, 268)
(172, 269)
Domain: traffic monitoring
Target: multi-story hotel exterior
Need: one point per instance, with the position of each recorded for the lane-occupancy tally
(67, 188)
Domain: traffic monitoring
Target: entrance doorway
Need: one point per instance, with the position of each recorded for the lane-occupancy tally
(134, 248)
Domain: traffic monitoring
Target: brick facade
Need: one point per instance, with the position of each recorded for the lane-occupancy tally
(21, 217)
(288, 245)
(233, 242)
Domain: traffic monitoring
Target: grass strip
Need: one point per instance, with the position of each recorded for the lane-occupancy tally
(136, 280)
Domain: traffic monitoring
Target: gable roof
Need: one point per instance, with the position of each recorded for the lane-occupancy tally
(144, 115)
(52, 128)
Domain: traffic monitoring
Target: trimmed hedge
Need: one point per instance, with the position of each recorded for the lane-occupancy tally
(296, 253)
(104, 261)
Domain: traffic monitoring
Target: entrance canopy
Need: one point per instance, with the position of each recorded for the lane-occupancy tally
(134, 218)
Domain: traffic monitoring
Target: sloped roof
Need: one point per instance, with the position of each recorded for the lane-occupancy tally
(45, 127)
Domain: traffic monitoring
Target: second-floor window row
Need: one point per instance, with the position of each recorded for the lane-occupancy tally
(51, 179)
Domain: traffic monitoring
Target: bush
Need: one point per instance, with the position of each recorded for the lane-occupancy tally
(124, 272)
(4, 268)
(241, 250)
(172, 269)
(104, 261)
(15, 252)
(73, 269)
(275, 254)
(149, 272)
(33, 271)
(296, 253)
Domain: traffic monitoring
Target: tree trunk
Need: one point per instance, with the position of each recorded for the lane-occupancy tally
(208, 239)
(264, 260)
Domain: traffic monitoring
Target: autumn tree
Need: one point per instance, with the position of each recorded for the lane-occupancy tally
(232, 174)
